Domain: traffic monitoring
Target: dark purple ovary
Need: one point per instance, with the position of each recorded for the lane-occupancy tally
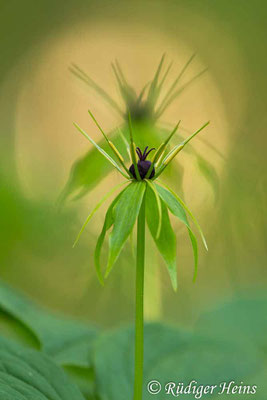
(143, 165)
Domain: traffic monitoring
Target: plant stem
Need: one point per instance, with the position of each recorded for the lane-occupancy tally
(139, 312)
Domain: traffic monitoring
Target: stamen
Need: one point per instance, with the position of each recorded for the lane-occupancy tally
(153, 148)
(139, 152)
(144, 154)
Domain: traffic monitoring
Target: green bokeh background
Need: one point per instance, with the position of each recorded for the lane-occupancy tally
(36, 252)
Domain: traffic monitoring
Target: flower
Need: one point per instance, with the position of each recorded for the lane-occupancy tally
(143, 187)
(146, 108)
(143, 164)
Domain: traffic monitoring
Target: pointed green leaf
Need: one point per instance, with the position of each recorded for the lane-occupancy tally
(30, 375)
(109, 220)
(99, 204)
(125, 214)
(166, 242)
(195, 251)
(67, 342)
(152, 187)
(186, 209)
(102, 151)
(176, 209)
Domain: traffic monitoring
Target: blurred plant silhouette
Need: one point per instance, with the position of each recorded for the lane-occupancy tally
(145, 108)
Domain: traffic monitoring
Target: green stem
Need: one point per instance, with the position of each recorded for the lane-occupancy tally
(139, 316)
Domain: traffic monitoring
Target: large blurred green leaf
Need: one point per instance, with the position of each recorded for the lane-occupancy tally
(84, 379)
(241, 319)
(166, 241)
(13, 329)
(29, 375)
(258, 379)
(68, 342)
(171, 355)
(125, 214)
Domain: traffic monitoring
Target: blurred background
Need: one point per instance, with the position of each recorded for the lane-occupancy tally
(40, 99)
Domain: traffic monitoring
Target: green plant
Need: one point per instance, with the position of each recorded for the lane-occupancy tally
(49, 356)
(146, 108)
(143, 199)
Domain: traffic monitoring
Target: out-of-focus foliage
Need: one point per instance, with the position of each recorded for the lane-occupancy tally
(238, 319)
(171, 355)
(36, 252)
(67, 342)
(223, 347)
(26, 373)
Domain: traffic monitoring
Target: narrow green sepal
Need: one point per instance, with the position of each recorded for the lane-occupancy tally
(106, 155)
(173, 153)
(111, 145)
(161, 150)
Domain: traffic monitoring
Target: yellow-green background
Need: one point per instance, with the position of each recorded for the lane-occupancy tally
(39, 99)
